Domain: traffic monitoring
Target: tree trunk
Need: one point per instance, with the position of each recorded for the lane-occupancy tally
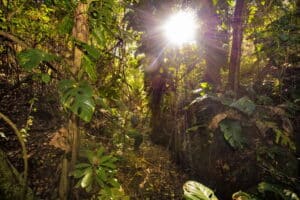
(80, 32)
(236, 51)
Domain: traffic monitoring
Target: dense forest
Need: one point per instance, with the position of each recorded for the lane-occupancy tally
(149, 99)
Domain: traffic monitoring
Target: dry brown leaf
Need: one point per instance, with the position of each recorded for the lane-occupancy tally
(60, 140)
(232, 114)
(214, 123)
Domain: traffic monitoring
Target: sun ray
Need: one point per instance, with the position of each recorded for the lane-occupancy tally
(181, 28)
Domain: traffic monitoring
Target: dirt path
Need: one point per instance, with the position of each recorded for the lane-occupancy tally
(151, 174)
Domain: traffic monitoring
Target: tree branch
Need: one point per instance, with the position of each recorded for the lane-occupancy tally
(14, 39)
(24, 151)
(24, 45)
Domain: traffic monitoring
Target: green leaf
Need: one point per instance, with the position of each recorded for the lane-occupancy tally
(102, 174)
(196, 191)
(109, 165)
(78, 97)
(66, 25)
(115, 193)
(283, 139)
(232, 133)
(285, 194)
(100, 152)
(99, 181)
(92, 51)
(78, 173)
(31, 58)
(114, 182)
(87, 179)
(242, 196)
(89, 155)
(244, 105)
(89, 67)
(45, 78)
(82, 165)
(105, 159)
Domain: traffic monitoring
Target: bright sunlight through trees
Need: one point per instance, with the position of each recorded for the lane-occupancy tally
(181, 28)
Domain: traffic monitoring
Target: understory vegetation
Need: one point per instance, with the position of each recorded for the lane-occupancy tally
(97, 103)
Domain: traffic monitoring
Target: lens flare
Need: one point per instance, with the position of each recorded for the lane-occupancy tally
(181, 28)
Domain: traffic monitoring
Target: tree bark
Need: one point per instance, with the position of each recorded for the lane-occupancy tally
(80, 32)
(236, 49)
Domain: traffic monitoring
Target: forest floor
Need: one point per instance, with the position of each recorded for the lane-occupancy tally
(148, 173)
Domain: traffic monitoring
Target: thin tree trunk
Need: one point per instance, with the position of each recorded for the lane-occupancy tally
(236, 49)
(80, 32)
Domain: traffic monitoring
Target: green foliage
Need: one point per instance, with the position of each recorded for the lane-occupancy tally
(233, 133)
(282, 172)
(244, 105)
(89, 67)
(137, 136)
(112, 194)
(98, 172)
(31, 58)
(285, 194)
(242, 196)
(197, 191)
(204, 89)
(78, 97)
(66, 25)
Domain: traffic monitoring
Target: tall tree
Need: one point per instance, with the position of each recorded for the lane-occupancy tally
(80, 32)
(236, 49)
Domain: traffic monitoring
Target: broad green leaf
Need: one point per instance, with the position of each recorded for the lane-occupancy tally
(87, 179)
(197, 191)
(232, 131)
(93, 52)
(78, 97)
(89, 67)
(244, 105)
(31, 58)
(98, 34)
